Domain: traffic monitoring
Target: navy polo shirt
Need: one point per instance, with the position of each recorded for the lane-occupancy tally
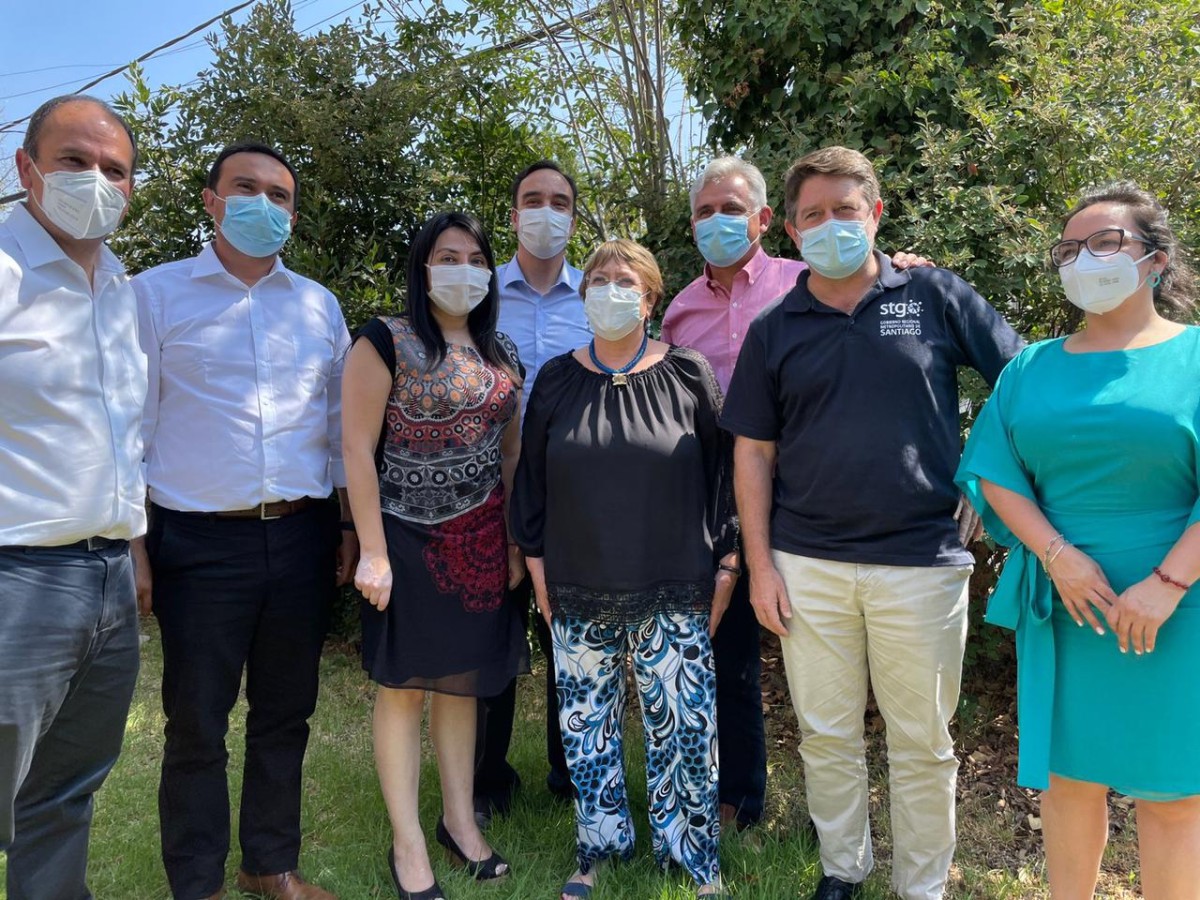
(863, 408)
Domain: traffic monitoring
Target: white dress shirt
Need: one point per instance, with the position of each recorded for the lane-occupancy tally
(244, 403)
(72, 387)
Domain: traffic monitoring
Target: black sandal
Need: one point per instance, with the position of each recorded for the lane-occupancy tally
(495, 866)
(433, 892)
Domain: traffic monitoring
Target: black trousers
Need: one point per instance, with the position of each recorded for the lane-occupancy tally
(495, 779)
(741, 735)
(233, 595)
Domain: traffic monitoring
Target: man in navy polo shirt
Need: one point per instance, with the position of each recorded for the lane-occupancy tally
(845, 406)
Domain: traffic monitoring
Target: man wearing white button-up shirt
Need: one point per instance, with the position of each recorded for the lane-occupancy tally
(243, 446)
(73, 381)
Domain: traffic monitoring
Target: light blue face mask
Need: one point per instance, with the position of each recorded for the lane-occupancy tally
(254, 225)
(723, 239)
(836, 248)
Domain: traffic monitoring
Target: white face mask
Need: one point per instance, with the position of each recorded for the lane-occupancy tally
(612, 310)
(1099, 284)
(544, 232)
(457, 290)
(85, 205)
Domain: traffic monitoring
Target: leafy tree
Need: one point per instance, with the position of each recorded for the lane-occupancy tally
(382, 123)
(985, 119)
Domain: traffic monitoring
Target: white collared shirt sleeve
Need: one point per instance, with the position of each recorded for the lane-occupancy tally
(72, 389)
(333, 393)
(148, 340)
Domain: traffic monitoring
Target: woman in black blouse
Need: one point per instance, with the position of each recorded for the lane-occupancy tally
(621, 506)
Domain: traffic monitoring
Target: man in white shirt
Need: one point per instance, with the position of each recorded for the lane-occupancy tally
(71, 491)
(243, 447)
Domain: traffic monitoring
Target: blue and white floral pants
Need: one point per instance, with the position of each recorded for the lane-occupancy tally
(673, 665)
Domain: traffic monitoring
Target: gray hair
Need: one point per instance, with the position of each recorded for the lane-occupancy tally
(726, 166)
(40, 116)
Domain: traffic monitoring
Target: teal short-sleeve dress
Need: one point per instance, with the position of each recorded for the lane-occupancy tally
(1106, 445)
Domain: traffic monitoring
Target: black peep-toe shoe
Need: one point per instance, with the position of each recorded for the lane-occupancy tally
(434, 892)
(495, 866)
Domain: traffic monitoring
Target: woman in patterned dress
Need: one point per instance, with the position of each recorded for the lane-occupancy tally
(431, 439)
(622, 504)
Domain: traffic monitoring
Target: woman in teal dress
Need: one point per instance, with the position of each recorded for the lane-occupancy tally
(1086, 462)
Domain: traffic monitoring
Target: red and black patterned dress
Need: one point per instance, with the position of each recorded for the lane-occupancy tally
(447, 627)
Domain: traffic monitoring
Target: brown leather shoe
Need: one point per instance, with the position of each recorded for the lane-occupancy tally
(285, 886)
(219, 895)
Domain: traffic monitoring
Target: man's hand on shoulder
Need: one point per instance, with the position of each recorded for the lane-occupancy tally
(906, 260)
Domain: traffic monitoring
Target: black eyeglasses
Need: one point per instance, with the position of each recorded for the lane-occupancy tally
(1104, 242)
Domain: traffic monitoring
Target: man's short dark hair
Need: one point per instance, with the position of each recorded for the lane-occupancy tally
(537, 167)
(214, 174)
(37, 122)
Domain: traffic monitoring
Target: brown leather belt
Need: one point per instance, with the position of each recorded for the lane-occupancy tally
(276, 510)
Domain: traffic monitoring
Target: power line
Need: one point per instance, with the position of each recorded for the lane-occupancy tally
(48, 87)
(52, 68)
(144, 56)
(357, 3)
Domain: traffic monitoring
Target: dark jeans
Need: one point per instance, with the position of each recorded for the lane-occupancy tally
(742, 746)
(68, 664)
(234, 594)
(495, 779)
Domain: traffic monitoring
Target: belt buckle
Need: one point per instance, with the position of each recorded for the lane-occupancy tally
(95, 543)
(262, 513)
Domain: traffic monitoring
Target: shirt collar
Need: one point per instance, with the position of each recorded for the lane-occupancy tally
(753, 268)
(799, 299)
(208, 264)
(512, 274)
(40, 248)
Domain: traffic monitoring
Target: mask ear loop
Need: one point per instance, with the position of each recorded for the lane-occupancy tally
(1154, 279)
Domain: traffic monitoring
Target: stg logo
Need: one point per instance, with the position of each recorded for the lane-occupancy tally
(900, 318)
(900, 310)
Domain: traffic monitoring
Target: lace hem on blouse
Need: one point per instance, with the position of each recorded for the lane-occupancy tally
(628, 607)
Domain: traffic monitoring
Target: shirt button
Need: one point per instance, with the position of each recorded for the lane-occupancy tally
(735, 304)
(734, 334)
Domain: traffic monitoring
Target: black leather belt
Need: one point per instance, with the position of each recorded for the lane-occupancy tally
(89, 544)
(264, 511)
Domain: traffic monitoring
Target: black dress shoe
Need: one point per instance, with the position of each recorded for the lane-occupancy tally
(433, 892)
(560, 787)
(495, 866)
(830, 888)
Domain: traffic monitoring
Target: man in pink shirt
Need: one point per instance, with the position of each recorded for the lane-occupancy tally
(729, 217)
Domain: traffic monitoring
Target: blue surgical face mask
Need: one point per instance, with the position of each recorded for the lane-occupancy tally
(837, 248)
(723, 239)
(254, 225)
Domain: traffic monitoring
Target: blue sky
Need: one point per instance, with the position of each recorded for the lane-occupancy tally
(48, 49)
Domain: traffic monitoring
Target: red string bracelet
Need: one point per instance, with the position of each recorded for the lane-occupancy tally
(1167, 579)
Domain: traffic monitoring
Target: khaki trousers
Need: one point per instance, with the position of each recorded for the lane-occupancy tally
(904, 628)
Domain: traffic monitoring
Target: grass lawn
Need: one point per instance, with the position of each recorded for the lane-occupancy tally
(346, 834)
